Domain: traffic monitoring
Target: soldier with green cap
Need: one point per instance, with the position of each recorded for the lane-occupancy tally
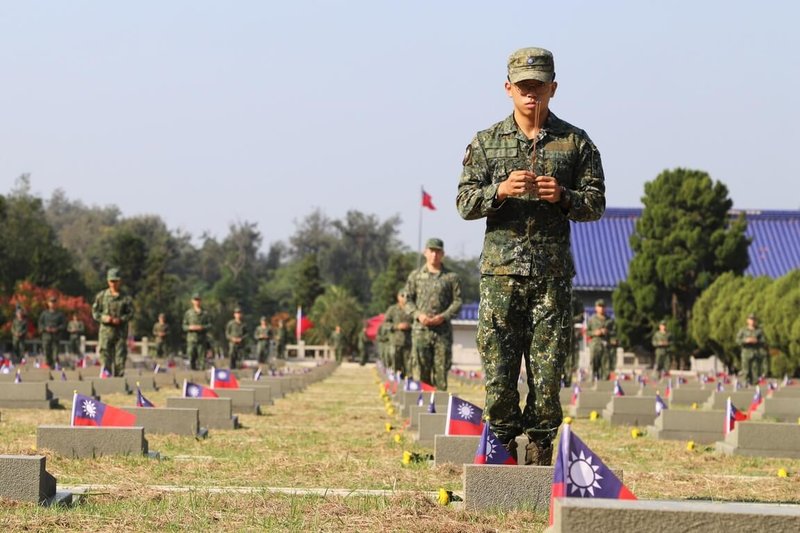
(113, 310)
(196, 325)
(262, 334)
(75, 328)
(662, 343)
(236, 334)
(281, 338)
(433, 298)
(19, 333)
(52, 324)
(336, 341)
(398, 321)
(161, 334)
(529, 175)
(601, 332)
(753, 345)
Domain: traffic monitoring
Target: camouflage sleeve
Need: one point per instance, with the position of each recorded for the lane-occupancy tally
(389, 317)
(762, 339)
(229, 330)
(411, 294)
(476, 191)
(589, 196)
(455, 306)
(656, 339)
(740, 337)
(206, 321)
(186, 321)
(41, 322)
(97, 307)
(127, 312)
(611, 326)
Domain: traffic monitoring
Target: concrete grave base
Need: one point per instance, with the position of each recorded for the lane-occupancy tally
(166, 420)
(103, 386)
(703, 427)
(214, 413)
(242, 400)
(785, 409)
(688, 396)
(24, 478)
(504, 487)
(275, 385)
(82, 441)
(589, 401)
(631, 410)
(30, 404)
(67, 389)
(263, 391)
(762, 439)
(597, 514)
(146, 382)
(460, 449)
(430, 425)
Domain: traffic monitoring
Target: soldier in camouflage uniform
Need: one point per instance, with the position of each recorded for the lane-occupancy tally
(662, 343)
(363, 347)
(113, 310)
(52, 324)
(262, 334)
(528, 175)
(601, 331)
(337, 342)
(398, 321)
(433, 298)
(196, 324)
(19, 332)
(753, 344)
(280, 340)
(160, 335)
(236, 334)
(382, 340)
(571, 363)
(75, 329)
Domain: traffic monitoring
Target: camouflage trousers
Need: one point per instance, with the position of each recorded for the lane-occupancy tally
(524, 319)
(113, 347)
(161, 348)
(600, 353)
(196, 350)
(17, 349)
(262, 351)
(50, 348)
(401, 359)
(432, 353)
(663, 360)
(75, 344)
(752, 366)
(235, 353)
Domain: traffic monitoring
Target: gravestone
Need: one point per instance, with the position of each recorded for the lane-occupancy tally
(783, 409)
(168, 420)
(631, 410)
(104, 386)
(27, 395)
(242, 400)
(214, 413)
(66, 389)
(762, 439)
(430, 425)
(589, 401)
(24, 478)
(741, 399)
(703, 427)
(460, 449)
(86, 441)
(689, 395)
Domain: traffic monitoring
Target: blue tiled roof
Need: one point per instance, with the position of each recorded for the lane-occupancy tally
(602, 251)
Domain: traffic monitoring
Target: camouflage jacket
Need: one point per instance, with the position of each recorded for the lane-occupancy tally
(527, 236)
(194, 318)
(662, 340)
(160, 331)
(597, 322)
(52, 319)
(119, 306)
(262, 333)
(394, 316)
(19, 328)
(75, 327)
(758, 333)
(235, 330)
(433, 294)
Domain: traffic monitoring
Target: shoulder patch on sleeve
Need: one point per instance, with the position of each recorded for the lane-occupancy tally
(467, 156)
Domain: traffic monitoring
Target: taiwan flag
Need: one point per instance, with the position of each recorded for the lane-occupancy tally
(576, 391)
(222, 378)
(141, 401)
(105, 373)
(579, 473)
(193, 390)
(86, 411)
(491, 451)
(668, 390)
(660, 404)
(17, 377)
(463, 418)
(757, 399)
(257, 375)
(414, 385)
(427, 201)
(618, 389)
(732, 415)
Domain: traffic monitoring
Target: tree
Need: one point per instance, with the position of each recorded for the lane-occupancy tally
(336, 307)
(391, 280)
(308, 283)
(683, 241)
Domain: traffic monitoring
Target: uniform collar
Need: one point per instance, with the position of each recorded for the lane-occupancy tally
(552, 125)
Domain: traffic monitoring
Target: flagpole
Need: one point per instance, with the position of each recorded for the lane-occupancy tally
(419, 235)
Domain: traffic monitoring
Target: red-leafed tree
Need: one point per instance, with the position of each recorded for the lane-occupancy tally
(33, 300)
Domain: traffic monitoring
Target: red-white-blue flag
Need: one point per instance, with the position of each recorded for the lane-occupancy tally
(732, 415)
(720, 387)
(576, 392)
(17, 377)
(432, 404)
(427, 201)
(618, 389)
(86, 411)
(195, 390)
(223, 378)
(660, 404)
(63, 376)
(491, 451)
(463, 418)
(257, 375)
(141, 401)
(105, 373)
(579, 473)
(668, 390)
(757, 399)
(414, 385)
(420, 400)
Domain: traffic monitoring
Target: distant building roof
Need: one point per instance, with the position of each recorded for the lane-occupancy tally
(602, 249)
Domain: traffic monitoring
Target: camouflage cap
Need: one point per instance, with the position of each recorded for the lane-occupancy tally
(196, 296)
(435, 244)
(531, 64)
(112, 274)
(263, 319)
(51, 299)
(752, 316)
(237, 309)
(600, 302)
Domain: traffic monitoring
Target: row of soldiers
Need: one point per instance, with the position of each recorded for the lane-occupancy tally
(113, 310)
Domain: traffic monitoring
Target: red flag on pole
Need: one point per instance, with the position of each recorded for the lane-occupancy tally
(427, 201)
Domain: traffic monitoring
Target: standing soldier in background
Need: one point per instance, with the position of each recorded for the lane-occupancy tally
(75, 329)
(160, 334)
(383, 345)
(433, 298)
(337, 343)
(363, 344)
(51, 326)
(196, 323)
(529, 175)
(571, 362)
(753, 344)
(262, 335)
(600, 329)
(662, 342)
(398, 321)
(19, 332)
(280, 340)
(236, 333)
(113, 310)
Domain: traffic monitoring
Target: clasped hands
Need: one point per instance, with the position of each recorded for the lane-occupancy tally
(522, 182)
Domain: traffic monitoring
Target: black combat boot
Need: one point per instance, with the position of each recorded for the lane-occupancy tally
(539, 454)
(511, 448)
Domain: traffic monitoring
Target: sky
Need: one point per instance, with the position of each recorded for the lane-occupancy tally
(214, 113)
